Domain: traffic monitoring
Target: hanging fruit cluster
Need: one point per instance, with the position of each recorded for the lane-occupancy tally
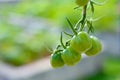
(80, 42)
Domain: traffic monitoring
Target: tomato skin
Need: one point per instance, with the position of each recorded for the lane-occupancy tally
(56, 60)
(96, 47)
(81, 42)
(81, 2)
(70, 57)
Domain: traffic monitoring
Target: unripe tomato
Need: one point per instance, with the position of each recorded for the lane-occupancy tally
(81, 2)
(56, 60)
(81, 42)
(96, 47)
(70, 57)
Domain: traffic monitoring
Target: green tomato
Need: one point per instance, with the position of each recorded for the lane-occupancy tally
(56, 60)
(70, 57)
(96, 47)
(81, 2)
(81, 42)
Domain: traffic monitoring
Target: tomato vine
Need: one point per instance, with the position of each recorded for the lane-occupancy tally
(80, 41)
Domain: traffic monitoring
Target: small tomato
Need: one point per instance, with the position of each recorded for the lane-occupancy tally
(81, 2)
(56, 60)
(96, 47)
(70, 57)
(81, 42)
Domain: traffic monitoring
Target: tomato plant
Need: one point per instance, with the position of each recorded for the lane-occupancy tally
(80, 41)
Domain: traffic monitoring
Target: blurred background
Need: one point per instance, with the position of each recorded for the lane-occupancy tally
(28, 27)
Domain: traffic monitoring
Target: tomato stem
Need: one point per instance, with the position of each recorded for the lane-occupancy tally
(49, 49)
(99, 4)
(68, 34)
(58, 51)
(61, 41)
(82, 20)
(83, 17)
(92, 7)
(71, 26)
(58, 46)
(90, 27)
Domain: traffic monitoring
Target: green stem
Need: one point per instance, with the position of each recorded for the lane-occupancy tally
(90, 27)
(77, 24)
(82, 20)
(71, 26)
(47, 47)
(83, 17)
(62, 41)
(58, 51)
(82, 26)
(49, 50)
(92, 7)
(68, 34)
(58, 46)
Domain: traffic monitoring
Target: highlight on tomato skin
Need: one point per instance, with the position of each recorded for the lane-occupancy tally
(70, 57)
(81, 42)
(56, 60)
(96, 47)
(81, 2)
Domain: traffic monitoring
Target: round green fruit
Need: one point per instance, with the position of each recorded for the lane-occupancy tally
(70, 57)
(81, 2)
(96, 47)
(56, 60)
(81, 42)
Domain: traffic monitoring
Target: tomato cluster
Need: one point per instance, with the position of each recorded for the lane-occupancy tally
(80, 42)
(71, 55)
